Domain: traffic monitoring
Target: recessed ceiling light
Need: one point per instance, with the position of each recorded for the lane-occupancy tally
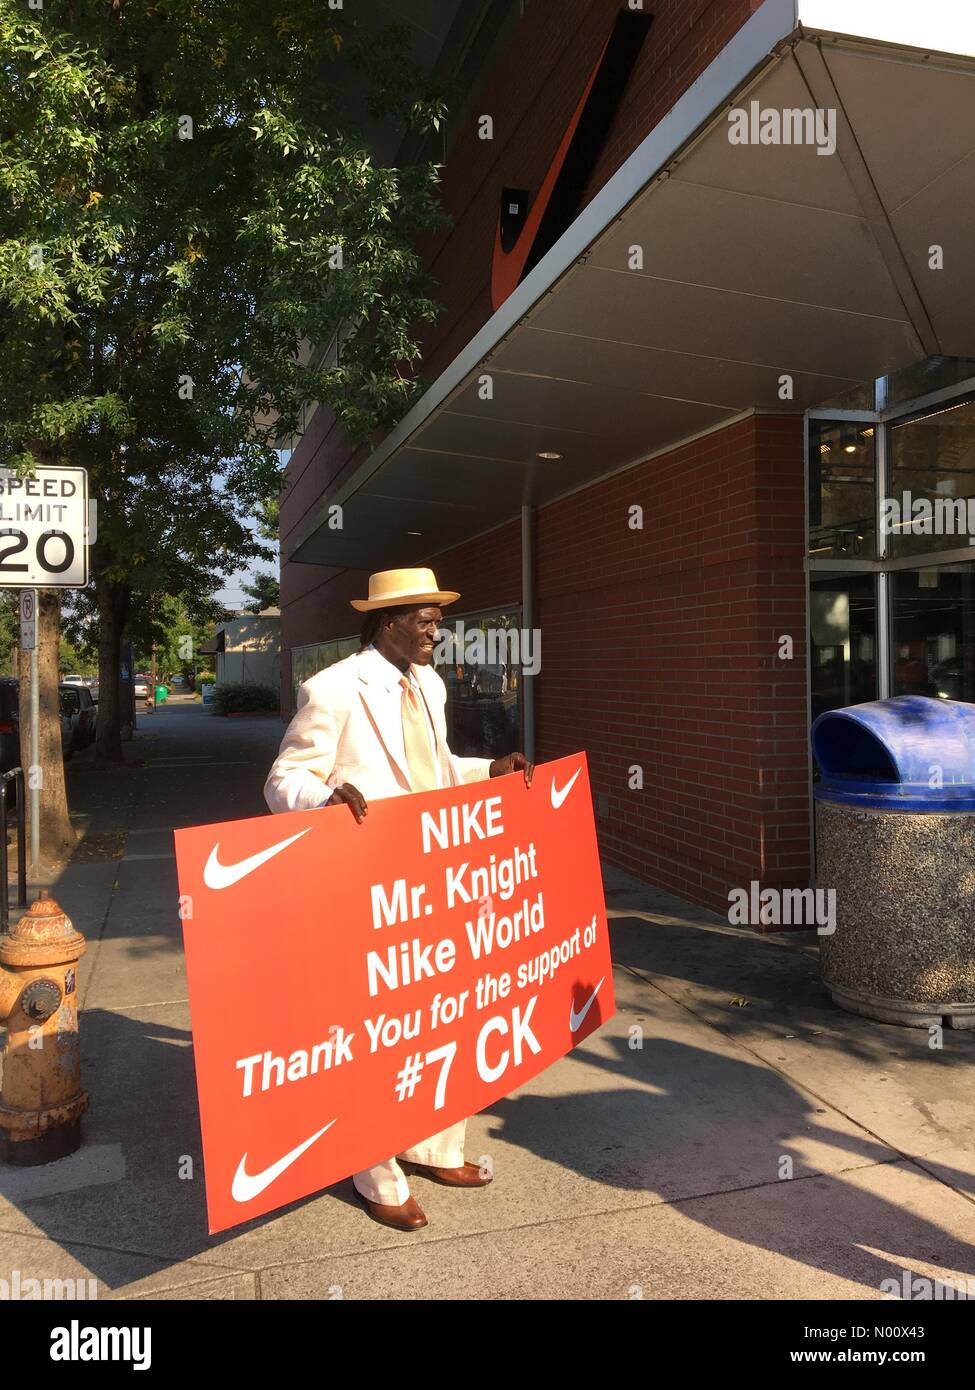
(547, 454)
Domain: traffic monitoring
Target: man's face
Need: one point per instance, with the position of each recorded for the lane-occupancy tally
(413, 634)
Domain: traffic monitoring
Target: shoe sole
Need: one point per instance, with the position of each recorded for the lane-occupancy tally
(416, 1171)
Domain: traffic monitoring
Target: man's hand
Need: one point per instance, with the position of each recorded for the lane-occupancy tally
(348, 794)
(512, 762)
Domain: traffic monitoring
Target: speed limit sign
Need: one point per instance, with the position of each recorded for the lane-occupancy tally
(44, 529)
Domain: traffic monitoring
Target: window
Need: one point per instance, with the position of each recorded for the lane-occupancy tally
(934, 632)
(484, 683)
(842, 490)
(891, 517)
(931, 489)
(924, 378)
(843, 641)
(316, 656)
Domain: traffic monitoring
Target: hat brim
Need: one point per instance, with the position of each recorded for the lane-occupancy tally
(367, 605)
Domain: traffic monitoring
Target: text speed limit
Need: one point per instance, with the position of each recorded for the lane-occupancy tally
(44, 529)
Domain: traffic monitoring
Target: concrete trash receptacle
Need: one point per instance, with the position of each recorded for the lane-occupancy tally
(895, 837)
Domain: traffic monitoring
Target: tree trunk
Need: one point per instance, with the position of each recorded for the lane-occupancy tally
(57, 835)
(113, 610)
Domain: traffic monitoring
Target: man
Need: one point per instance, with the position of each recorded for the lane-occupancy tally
(372, 726)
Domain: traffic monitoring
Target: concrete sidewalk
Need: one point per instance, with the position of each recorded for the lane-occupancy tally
(651, 1162)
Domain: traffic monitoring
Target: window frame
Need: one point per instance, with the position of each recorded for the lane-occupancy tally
(881, 417)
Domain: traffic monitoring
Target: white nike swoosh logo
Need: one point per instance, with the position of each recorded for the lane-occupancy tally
(245, 1187)
(559, 796)
(576, 1020)
(217, 875)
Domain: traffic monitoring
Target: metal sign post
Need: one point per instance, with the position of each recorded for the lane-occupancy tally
(35, 758)
(45, 533)
(28, 643)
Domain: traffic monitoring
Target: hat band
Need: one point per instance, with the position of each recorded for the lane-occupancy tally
(405, 593)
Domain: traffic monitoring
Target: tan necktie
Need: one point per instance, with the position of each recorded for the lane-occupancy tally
(416, 741)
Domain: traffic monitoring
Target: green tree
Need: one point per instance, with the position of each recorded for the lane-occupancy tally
(186, 204)
(268, 515)
(9, 631)
(264, 592)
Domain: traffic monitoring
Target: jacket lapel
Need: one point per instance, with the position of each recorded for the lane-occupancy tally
(386, 718)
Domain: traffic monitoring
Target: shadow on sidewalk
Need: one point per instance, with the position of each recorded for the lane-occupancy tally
(694, 1123)
(707, 1125)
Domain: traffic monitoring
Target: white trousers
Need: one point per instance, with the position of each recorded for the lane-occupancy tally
(386, 1182)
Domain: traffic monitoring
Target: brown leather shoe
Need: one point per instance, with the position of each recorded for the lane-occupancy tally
(469, 1175)
(408, 1217)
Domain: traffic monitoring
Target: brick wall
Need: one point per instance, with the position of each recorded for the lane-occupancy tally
(660, 650)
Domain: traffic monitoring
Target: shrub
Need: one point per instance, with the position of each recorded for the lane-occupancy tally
(246, 698)
(205, 678)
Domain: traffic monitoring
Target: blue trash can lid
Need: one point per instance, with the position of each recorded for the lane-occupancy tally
(910, 753)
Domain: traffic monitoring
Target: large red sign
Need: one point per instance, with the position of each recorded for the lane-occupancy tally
(355, 989)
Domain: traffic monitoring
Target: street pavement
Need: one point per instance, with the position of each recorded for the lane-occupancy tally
(728, 1134)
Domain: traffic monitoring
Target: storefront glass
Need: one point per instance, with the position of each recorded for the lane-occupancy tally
(931, 490)
(890, 496)
(842, 490)
(306, 661)
(484, 683)
(934, 632)
(923, 378)
(843, 641)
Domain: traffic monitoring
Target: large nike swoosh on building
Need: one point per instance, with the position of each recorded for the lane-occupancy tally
(217, 875)
(245, 1186)
(558, 198)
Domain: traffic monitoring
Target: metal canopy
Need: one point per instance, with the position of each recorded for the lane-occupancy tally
(758, 260)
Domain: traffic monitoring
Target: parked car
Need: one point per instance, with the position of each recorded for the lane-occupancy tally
(9, 724)
(78, 713)
(72, 680)
(141, 687)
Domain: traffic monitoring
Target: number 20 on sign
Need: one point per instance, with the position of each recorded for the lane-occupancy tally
(44, 529)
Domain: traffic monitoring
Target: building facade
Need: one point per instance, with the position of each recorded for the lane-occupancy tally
(247, 649)
(707, 327)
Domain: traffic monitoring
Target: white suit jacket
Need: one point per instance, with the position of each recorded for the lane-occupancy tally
(343, 732)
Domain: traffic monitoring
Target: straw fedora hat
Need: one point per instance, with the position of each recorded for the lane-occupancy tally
(393, 588)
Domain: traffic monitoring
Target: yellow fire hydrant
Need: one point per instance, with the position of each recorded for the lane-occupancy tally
(41, 1100)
